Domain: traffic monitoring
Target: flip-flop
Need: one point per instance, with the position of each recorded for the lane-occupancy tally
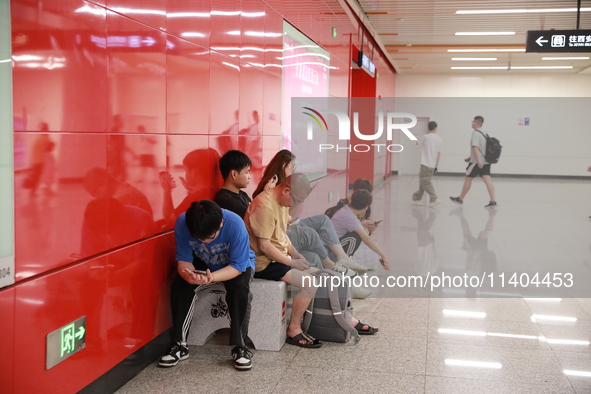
(310, 341)
(370, 330)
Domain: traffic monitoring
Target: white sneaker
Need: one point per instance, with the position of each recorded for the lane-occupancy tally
(242, 356)
(350, 262)
(360, 292)
(417, 203)
(433, 203)
(341, 269)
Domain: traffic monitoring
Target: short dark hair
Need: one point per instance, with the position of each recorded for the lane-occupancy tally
(361, 199)
(479, 119)
(432, 125)
(203, 218)
(363, 184)
(233, 160)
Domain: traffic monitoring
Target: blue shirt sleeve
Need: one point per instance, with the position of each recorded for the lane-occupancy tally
(184, 252)
(241, 257)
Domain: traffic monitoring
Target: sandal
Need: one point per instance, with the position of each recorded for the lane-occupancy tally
(370, 330)
(311, 342)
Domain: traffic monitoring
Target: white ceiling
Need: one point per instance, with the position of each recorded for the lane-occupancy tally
(418, 33)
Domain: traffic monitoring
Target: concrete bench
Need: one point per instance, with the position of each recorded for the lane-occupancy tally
(268, 320)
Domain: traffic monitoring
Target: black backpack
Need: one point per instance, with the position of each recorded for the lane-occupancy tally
(328, 317)
(493, 149)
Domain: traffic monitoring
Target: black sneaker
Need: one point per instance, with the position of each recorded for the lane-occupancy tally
(176, 353)
(491, 205)
(457, 200)
(242, 356)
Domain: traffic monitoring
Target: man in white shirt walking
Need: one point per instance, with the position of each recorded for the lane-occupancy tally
(477, 165)
(431, 145)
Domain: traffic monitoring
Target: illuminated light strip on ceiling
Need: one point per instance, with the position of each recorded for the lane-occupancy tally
(122, 10)
(91, 10)
(241, 13)
(566, 58)
(301, 46)
(567, 342)
(469, 363)
(585, 374)
(448, 312)
(255, 34)
(243, 56)
(311, 63)
(482, 293)
(535, 318)
(461, 332)
(263, 34)
(486, 50)
(544, 299)
(231, 65)
(514, 68)
(521, 11)
(27, 58)
(517, 336)
(304, 54)
(473, 58)
(485, 33)
(245, 49)
(192, 34)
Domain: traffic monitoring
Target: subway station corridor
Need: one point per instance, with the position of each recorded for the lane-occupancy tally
(114, 115)
(465, 342)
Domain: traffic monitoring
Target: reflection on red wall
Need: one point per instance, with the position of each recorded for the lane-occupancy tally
(121, 111)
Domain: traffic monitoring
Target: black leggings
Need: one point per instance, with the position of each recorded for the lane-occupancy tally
(183, 296)
(350, 242)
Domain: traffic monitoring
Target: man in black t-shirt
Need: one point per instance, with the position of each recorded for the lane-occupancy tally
(235, 169)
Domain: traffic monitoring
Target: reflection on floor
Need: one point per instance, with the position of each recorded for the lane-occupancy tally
(433, 344)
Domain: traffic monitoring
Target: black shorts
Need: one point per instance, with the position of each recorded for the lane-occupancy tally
(472, 171)
(274, 271)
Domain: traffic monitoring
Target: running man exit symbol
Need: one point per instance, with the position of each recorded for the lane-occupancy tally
(65, 342)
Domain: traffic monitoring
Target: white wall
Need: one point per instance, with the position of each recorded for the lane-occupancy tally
(557, 141)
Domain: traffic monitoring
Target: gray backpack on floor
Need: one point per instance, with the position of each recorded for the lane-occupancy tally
(329, 315)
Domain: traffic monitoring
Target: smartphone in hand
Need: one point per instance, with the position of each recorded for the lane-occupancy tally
(200, 272)
(377, 222)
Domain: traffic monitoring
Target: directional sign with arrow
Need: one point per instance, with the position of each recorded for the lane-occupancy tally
(540, 41)
(65, 342)
(558, 41)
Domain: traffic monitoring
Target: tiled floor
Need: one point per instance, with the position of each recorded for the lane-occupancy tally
(541, 225)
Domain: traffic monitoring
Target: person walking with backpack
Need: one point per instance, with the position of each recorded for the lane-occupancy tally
(477, 165)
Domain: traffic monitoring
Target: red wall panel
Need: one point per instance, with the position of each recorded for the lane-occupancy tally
(110, 99)
(189, 20)
(137, 299)
(50, 199)
(59, 72)
(45, 304)
(187, 87)
(7, 334)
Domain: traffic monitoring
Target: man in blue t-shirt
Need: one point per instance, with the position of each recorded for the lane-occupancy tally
(212, 245)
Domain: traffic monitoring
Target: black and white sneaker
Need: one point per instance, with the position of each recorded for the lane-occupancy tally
(491, 205)
(242, 356)
(176, 353)
(457, 200)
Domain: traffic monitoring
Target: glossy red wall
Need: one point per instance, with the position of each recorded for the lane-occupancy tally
(113, 99)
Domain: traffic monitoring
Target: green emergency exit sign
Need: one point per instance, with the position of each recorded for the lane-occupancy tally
(65, 342)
